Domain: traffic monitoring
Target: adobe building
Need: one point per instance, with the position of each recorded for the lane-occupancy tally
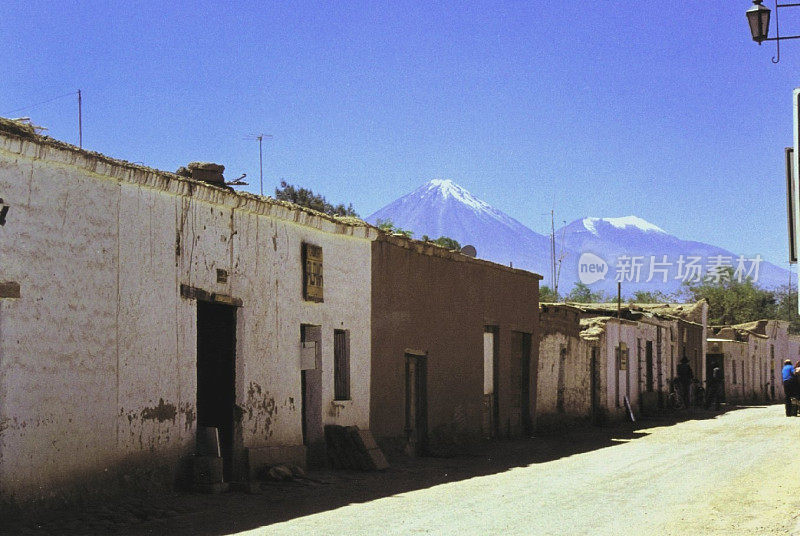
(688, 336)
(608, 341)
(565, 383)
(138, 306)
(751, 356)
(591, 361)
(454, 346)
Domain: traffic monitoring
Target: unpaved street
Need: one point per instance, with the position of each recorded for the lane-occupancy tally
(727, 475)
(716, 474)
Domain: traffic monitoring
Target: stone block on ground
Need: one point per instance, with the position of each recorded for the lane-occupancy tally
(351, 448)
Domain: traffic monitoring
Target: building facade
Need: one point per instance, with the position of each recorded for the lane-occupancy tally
(454, 346)
(137, 306)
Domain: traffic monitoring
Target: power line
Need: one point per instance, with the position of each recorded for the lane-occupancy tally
(70, 94)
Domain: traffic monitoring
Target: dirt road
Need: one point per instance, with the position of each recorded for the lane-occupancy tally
(726, 475)
(716, 474)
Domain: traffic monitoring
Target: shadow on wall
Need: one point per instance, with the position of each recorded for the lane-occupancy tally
(138, 475)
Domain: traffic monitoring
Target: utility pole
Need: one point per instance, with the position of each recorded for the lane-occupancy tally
(553, 250)
(260, 165)
(80, 121)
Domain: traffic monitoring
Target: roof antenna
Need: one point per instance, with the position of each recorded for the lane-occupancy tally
(80, 122)
(260, 138)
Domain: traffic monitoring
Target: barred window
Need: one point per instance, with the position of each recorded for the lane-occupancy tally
(312, 273)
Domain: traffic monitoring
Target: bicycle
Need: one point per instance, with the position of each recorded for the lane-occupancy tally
(675, 398)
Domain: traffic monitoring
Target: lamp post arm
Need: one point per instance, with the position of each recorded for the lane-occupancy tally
(777, 35)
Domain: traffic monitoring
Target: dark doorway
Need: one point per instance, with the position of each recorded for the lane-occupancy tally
(416, 404)
(648, 366)
(525, 384)
(720, 361)
(562, 380)
(659, 369)
(311, 382)
(216, 375)
(595, 385)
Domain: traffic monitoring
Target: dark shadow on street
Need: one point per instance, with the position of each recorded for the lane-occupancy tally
(232, 512)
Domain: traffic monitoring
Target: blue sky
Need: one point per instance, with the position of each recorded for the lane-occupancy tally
(665, 110)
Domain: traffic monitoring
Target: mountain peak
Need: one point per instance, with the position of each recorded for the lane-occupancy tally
(623, 222)
(447, 188)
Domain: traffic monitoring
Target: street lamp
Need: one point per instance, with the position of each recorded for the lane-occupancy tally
(758, 19)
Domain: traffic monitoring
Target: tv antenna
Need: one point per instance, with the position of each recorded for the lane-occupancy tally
(562, 254)
(260, 138)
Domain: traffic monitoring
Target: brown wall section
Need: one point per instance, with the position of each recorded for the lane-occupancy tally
(430, 300)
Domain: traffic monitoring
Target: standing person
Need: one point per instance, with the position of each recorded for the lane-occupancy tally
(685, 379)
(715, 385)
(789, 385)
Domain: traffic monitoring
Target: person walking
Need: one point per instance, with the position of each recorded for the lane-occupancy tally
(789, 386)
(715, 385)
(685, 380)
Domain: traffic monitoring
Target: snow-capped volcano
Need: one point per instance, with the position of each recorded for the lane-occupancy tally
(443, 208)
(650, 258)
(625, 222)
(447, 188)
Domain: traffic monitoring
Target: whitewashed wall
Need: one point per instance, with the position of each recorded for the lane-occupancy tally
(98, 355)
(576, 374)
(735, 353)
(620, 331)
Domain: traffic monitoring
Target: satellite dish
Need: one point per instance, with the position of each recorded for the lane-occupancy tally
(469, 251)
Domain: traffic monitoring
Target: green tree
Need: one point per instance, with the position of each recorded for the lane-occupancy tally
(447, 242)
(548, 295)
(390, 227)
(306, 198)
(652, 296)
(581, 293)
(786, 307)
(731, 301)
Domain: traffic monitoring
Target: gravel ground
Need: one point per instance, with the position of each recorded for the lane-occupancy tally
(714, 474)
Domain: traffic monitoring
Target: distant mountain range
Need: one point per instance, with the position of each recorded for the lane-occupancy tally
(597, 251)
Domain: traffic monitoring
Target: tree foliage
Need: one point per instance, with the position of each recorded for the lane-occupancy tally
(306, 198)
(652, 296)
(447, 242)
(548, 295)
(390, 227)
(731, 301)
(786, 307)
(444, 241)
(581, 293)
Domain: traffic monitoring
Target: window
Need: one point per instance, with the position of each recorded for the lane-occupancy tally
(341, 364)
(312, 273)
(734, 372)
(488, 360)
